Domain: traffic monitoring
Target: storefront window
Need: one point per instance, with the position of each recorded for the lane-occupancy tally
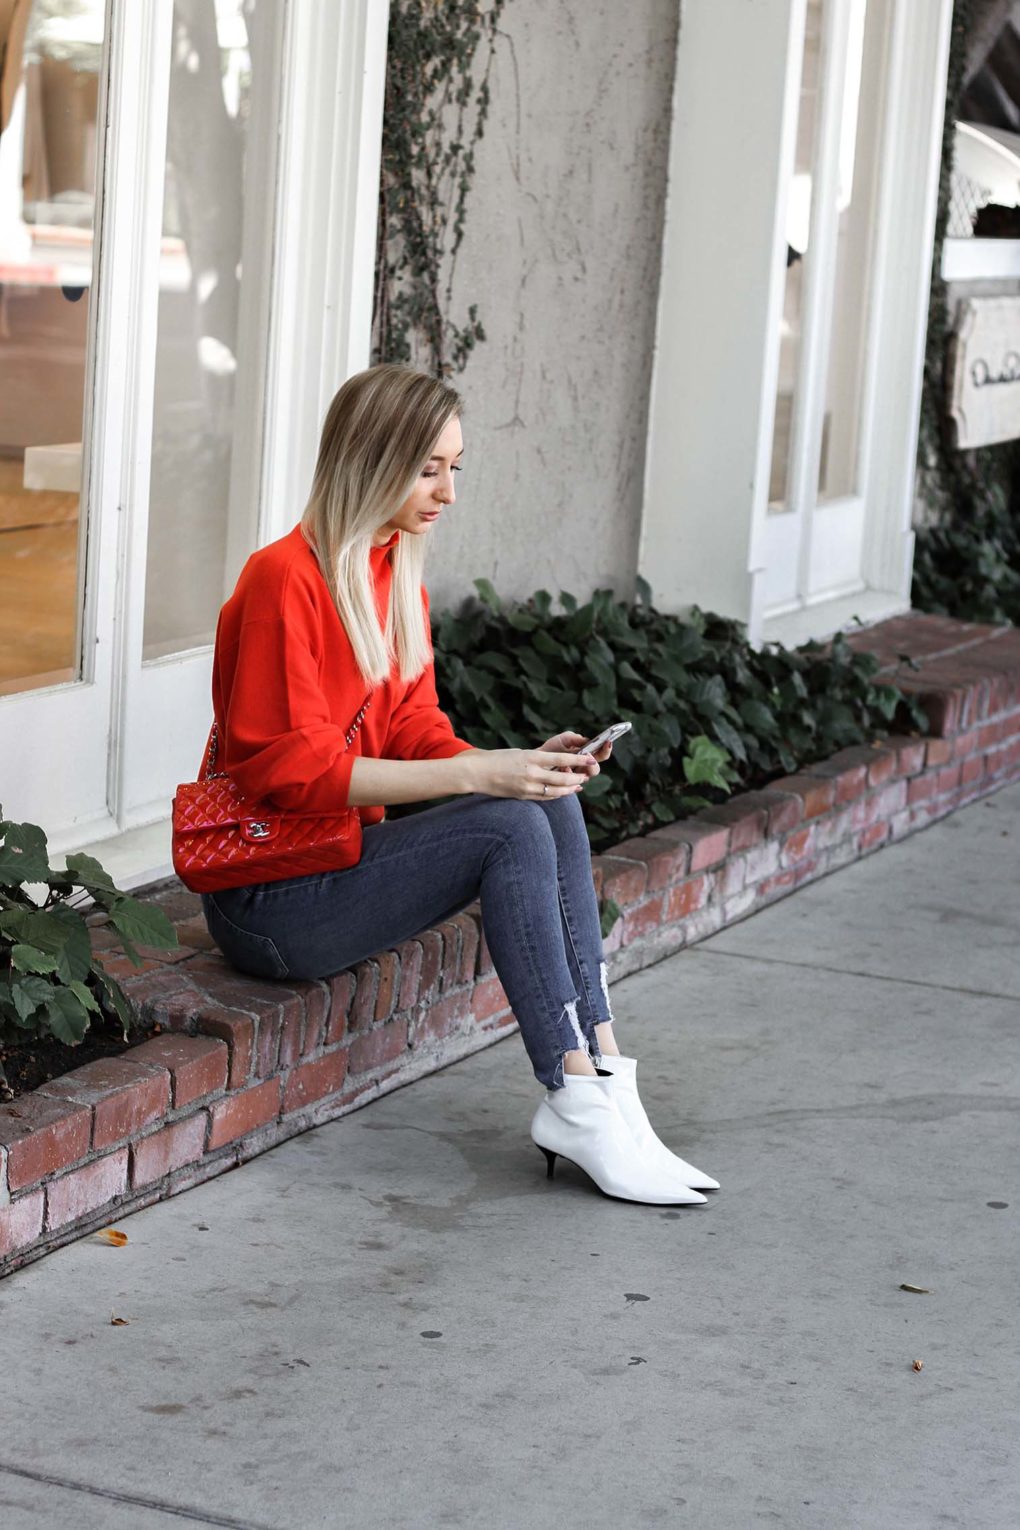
(50, 60)
(218, 204)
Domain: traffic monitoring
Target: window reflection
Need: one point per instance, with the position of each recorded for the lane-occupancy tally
(218, 200)
(51, 53)
(798, 222)
(856, 200)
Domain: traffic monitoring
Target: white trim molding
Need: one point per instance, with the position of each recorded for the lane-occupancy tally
(968, 260)
(910, 177)
(331, 143)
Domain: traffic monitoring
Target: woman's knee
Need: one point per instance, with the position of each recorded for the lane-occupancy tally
(566, 810)
(521, 824)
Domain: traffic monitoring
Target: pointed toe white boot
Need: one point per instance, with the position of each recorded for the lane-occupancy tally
(652, 1147)
(583, 1123)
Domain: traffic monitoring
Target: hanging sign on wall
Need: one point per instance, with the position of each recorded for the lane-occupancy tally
(984, 371)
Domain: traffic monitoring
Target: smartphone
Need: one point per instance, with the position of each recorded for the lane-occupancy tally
(614, 731)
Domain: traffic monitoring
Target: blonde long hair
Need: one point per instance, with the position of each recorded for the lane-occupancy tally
(377, 437)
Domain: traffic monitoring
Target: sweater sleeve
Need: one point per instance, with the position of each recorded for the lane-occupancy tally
(419, 728)
(282, 744)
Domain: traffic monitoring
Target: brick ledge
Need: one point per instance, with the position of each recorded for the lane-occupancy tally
(244, 1064)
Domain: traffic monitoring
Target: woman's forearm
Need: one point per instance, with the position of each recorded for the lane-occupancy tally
(378, 782)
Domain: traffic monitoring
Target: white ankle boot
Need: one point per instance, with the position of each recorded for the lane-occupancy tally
(583, 1123)
(652, 1147)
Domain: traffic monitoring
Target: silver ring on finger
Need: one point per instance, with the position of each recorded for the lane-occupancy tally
(545, 788)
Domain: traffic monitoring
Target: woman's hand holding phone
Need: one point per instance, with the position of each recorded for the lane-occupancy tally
(572, 743)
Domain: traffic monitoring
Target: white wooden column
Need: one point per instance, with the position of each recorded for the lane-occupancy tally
(713, 391)
(909, 197)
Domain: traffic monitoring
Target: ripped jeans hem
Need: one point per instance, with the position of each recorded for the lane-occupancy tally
(581, 1043)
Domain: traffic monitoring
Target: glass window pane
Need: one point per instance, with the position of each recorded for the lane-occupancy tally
(798, 223)
(52, 56)
(858, 182)
(216, 202)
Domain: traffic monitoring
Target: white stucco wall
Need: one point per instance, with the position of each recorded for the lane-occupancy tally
(561, 253)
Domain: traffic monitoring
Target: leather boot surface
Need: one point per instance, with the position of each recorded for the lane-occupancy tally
(624, 1071)
(582, 1122)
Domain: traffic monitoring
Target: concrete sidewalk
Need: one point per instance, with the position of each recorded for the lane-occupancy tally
(395, 1320)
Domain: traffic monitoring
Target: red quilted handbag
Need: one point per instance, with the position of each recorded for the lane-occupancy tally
(223, 839)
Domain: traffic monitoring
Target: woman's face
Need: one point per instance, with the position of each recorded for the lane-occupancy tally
(433, 490)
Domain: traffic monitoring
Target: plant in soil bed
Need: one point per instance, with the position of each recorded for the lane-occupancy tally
(53, 992)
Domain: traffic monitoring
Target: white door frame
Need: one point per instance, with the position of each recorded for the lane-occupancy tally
(705, 536)
(95, 762)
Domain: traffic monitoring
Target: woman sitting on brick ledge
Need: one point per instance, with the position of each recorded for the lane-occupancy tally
(335, 608)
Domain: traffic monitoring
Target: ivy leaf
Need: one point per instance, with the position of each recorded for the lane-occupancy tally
(757, 716)
(31, 959)
(546, 644)
(694, 802)
(68, 1018)
(116, 999)
(24, 996)
(487, 594)
(58, 932)
(580, 624)
(703, 762)
(86, 996)
(522, 620)
(144, 923)
(729, 738)
(602, 673)
(479, 682)
(500, 663)
(536, 718)
(88, 873)
(886, 698)
(599, 786)
(708, 694)
(532, 664)
(23, 856)
(671, 728)
(608, 915)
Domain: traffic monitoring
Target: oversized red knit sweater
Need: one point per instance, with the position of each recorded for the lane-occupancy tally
(286, 687)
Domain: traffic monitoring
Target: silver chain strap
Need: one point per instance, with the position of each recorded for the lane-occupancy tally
(212, 775)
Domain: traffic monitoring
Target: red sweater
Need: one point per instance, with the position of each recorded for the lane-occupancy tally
(286, 687)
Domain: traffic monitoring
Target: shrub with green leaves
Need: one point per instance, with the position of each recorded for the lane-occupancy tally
(49, 983)
(708, 710)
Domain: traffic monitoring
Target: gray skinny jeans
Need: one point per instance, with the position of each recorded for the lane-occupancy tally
(529, 863)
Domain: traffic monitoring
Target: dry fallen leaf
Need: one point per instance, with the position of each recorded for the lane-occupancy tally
(918, 1365)
(119, 1322)
(921, 1290)
(112, 1235)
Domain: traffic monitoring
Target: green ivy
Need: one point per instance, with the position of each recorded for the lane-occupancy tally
(708, 710)
(967, 561)
(432, 118)
(50, 985)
